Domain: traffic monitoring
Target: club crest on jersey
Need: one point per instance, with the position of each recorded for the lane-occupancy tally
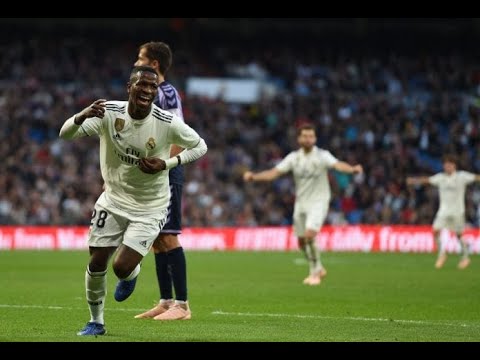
(119, 124)
(150, 145)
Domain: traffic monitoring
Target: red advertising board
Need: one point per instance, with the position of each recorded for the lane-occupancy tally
(331, 238)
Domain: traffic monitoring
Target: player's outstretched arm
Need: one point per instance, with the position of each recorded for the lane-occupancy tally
(477, 177)
(420, 180)
(72, 127)
(344, 167)
(266, 175)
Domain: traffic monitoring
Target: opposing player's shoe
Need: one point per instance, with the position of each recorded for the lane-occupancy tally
(463, 263)
(160, 308)
(92, 328)
(440, 261)
(124, 289)
(176, 312)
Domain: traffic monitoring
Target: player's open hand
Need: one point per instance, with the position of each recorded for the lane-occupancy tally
(97, 109)
(151, 165)
(247, 176)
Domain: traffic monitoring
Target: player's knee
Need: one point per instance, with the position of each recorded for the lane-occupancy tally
(99, 259)
(169, 242)
(158, 246)
(122, 268)
(94, 267)
(310, 234)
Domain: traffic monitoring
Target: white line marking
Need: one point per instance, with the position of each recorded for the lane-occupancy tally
(298, 316)
(59, 307)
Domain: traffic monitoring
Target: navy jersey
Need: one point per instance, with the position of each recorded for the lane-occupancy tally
(169, 99)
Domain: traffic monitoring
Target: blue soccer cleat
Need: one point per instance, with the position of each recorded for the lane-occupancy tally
(92, 328)
(124, 289)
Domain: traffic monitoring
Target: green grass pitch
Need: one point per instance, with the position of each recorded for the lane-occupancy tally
(251, 296)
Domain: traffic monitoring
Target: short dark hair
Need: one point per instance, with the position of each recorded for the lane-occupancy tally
(136, 69)
(160, 51)
(450, 158)
(305, 127)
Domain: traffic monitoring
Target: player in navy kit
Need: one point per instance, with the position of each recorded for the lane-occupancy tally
(170, 259)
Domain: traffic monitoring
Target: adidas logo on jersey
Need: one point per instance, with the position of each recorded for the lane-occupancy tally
(143, 243)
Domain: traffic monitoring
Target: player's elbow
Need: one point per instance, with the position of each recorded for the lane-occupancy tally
(203, 148)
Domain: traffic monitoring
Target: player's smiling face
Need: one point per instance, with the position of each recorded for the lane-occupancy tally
(142, 91)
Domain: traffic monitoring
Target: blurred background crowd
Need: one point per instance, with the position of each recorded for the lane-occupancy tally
(391, 103)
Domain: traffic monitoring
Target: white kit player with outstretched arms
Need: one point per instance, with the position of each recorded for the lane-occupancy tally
(451, 186)
(135, 140)
(309, 166)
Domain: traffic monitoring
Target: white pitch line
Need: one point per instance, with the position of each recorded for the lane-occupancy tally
(58, 307)
(298, 316)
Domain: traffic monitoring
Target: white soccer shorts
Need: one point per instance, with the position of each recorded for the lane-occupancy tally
(454, 223)
(309, 217)
(111, 227)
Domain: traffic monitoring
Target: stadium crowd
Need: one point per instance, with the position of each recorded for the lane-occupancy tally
(394, 114)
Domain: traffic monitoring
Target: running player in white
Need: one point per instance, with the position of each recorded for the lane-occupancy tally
(135, 137)
(451, 213)
(309, 166)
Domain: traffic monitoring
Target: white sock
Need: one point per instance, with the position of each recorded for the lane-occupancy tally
(96, 290)
(133, 274)
(464, 247)
(313, 257)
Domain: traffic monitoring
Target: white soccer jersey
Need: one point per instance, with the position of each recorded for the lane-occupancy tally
(310, 173)
(123, 141)
(451, 189)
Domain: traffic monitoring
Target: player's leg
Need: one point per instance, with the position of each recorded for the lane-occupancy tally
(96, 289)
(442, 255)
(299, 229)
(137, 241)
(465, 259)
(438, 224)
(162, 269)
(176, 260)
(314, 221)
(465, 251)
(316, 268)
(163, 278)
(161, 249)
(105, 235)
(177, 263)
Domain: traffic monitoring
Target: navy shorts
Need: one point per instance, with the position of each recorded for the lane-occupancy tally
(174, 217)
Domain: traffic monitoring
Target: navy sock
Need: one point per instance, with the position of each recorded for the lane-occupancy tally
(163, 275)
(178, 266)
